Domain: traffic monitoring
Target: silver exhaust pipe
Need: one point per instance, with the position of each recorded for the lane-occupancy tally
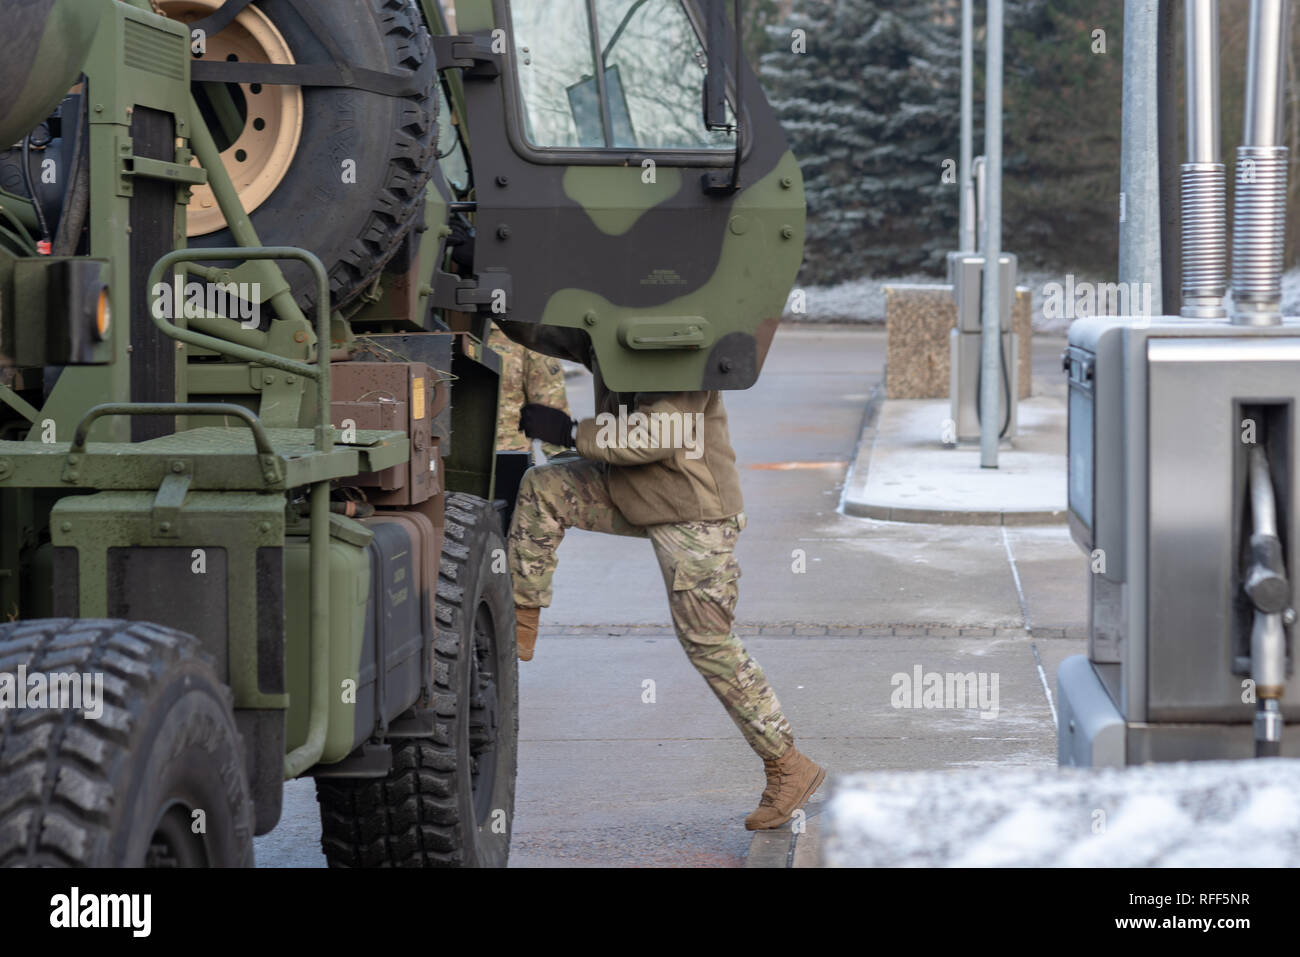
(1259, 220)
(1204, 177)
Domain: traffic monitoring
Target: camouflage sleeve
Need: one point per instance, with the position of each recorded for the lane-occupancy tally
(511, 396)
(556, 341)
(544, 382)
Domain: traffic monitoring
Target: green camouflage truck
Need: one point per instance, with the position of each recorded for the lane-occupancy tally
(250, 508)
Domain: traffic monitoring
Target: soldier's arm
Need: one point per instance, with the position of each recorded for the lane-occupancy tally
(599, 441)
(544, 382)
(557, 341)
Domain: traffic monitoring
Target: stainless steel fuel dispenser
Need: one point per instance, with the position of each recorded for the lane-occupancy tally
(965, 341)
(1184, 483)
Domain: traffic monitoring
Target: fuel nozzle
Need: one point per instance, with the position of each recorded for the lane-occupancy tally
(1268, 668)
(1265, 584)
(1268, 728)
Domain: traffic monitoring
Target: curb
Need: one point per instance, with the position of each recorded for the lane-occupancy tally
(786, 848)
(855, 483)
(853, 502)
(770, 848)
(927, 516)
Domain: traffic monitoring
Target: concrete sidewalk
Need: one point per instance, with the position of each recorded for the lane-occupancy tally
(904, 473)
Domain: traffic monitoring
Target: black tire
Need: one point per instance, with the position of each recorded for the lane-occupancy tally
(121, 790)
(449, 800)
(355, 228)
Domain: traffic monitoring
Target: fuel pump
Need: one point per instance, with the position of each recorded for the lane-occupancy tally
(1183, 480)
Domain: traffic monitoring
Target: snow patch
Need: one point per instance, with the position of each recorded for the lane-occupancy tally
(863, 300)
(1201, 814)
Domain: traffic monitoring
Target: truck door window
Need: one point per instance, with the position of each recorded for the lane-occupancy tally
(451, 155)
(653, 64)
(654, 76)
(554, 57)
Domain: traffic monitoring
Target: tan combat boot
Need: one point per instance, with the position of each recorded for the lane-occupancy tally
(526, 631)
(791, 781)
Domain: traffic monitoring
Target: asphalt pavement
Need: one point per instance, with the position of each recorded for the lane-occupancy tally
(626, 758)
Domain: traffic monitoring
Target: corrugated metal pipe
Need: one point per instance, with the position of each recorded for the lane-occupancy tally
(1204, 178)
(1259, 220)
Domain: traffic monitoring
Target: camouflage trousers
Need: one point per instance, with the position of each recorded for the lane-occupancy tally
(699, 570)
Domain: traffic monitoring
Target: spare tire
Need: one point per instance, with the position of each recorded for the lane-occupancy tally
(349, 185)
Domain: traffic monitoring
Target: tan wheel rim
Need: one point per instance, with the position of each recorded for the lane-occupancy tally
(260, 156)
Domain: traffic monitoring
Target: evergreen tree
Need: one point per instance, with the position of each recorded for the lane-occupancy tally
(1063, 102)
(871, 106)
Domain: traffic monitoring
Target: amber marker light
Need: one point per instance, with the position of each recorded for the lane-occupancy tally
(103, 315)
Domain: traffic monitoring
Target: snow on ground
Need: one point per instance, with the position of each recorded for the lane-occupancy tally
(863, 300)
(1291, 293)
(1203, 814)
(858, 300)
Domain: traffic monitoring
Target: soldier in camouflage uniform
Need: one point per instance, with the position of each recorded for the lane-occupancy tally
(686, 500)
(526, 376)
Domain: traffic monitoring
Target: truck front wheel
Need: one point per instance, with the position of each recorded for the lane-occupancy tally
(128, 757)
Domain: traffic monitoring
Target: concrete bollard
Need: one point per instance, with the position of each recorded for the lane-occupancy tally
(918, 318)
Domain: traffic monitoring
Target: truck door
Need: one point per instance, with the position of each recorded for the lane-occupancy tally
(606, 205)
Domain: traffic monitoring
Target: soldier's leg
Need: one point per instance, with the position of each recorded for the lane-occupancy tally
(700, 572)
(553, 498)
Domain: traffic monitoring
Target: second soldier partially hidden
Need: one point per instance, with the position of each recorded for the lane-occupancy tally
(687, 501)
(527, 377)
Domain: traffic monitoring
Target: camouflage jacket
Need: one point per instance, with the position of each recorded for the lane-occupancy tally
(526, 376)
(674, 464)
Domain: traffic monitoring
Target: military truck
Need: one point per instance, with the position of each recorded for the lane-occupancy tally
(251, 515)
